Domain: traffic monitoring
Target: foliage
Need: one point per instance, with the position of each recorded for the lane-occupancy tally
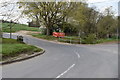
(74, 18)
(90, 39)
(48, 13)
(106, 27)
(89, 21)
(107, 40)
(43, 31)
(69, 28)
(44, 37)
(85, 19)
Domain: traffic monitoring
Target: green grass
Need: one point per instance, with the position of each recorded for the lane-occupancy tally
(15, 49)
(17, 27)
(44, 36)
(106, 40)
(74, 39)
(66, 39)
(9, 41)
(11, 48)
(0, 48)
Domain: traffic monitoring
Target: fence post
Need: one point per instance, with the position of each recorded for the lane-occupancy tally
(59, 39)
(70, 40)
(80, 40)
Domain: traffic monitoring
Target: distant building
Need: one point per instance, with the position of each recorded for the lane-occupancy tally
(33, 24)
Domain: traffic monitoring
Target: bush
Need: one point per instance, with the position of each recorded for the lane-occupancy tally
(90, 39)
(43, 31)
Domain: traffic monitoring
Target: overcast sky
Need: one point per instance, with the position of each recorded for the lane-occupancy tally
(102, 4)
(99, 4)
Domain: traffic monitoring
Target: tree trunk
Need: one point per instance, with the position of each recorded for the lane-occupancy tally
(48, 32)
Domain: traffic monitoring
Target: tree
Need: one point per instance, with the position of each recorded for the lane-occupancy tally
(107, 25)
(8, 14)
(86, 19)
(48, 13)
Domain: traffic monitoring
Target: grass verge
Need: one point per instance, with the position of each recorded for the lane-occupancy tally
(107, 40)
(12, 48)
(71, 39)
(51, 38)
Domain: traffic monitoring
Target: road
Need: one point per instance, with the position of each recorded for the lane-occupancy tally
(66, 61)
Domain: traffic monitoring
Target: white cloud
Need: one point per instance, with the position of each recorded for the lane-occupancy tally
(2, 1)
(102, 4)
(94, 1)
(101, 1)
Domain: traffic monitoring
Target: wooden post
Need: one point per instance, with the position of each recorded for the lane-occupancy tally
(10, 29)
(70, 40)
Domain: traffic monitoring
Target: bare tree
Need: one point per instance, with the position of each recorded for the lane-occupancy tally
(11, 13)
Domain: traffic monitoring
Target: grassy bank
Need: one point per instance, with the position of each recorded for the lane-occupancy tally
(17, 27)
(71, 39)
(107, 40)
(51, 38)
(67, 38)
(11, 48)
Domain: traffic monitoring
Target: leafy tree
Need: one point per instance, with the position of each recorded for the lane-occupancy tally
(48, 13)
(86, 19)
(107, 25)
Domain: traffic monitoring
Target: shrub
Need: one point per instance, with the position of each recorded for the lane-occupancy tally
(90, 39)
(43, 31)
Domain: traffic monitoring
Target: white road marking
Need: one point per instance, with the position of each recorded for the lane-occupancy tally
(77, 54)
(65, 71)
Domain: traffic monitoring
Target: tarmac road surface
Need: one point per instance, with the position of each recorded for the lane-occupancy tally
(66, 61)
